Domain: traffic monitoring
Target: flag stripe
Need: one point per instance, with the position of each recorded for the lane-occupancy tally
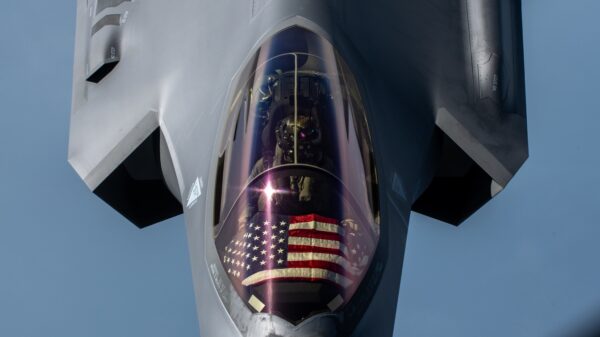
(307, 256)
(317, 264)
(299, 273)
(314, 242)
(299, 279)
(317, 226)
(314, 234)
(300, 249)
(312, 217)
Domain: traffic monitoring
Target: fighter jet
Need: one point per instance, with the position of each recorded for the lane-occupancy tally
(296, 137)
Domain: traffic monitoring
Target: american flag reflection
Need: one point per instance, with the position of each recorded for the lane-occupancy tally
(309, 248)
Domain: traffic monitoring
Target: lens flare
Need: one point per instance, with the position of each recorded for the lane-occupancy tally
(269, 191)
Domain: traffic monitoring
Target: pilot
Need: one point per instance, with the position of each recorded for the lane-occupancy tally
(297, 194)
(308, 143)
(306, 130)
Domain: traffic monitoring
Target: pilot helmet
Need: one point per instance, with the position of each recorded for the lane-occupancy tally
(308, 139)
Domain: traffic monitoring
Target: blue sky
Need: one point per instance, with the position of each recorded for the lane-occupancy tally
(524, 265)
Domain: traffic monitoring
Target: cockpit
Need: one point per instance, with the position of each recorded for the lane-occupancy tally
(296, 213)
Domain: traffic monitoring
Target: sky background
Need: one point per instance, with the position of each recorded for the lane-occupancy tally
(526, 265)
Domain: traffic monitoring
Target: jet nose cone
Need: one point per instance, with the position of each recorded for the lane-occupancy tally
(266, 325)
